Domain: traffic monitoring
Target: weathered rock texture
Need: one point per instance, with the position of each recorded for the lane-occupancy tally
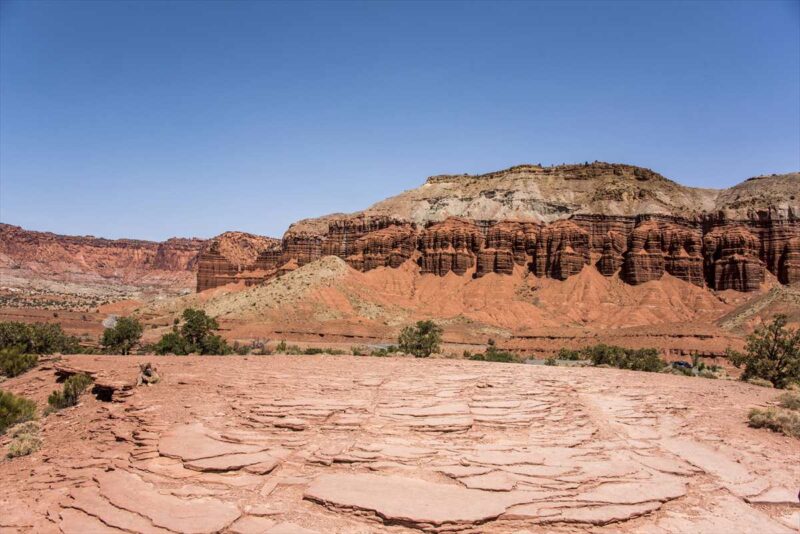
(237, 257)
(556, 221)
(81, 258)
(449, 246)
(313, 445)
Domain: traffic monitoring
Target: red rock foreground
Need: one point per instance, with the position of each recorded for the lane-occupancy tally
(283, 444)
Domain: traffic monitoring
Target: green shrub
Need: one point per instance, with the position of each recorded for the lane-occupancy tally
(385, 351)
(705, 373)
(292, 350)
(37, 338)
(74, 386)
(492, 354)
(194, 336)
(760, 382)
(24, 445)
(14, 410)
(499, 356)
(213, 344)
(783, 421)
(421, 340)
(772, 353)
(25, 439)
(122, 337)
(326, 350)
(241, 350)
(13, 362)
(172, 343)
(197, 325)
(790, 401)
(550, 361)
(571, 355)
(622, 358)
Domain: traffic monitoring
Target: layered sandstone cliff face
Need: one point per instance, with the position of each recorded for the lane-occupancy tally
(85, 258)
(624, 221)
(555, 221)
(237, 257)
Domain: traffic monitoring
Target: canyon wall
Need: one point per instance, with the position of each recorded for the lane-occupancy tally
(234, 257)
(70, 258)
(717, 253)
(623, 220)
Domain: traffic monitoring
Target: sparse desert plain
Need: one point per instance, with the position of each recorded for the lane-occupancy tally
(347, 444)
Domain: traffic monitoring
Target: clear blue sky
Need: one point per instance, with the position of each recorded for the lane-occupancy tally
(152, 119)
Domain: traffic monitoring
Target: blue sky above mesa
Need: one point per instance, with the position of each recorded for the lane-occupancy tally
(151, 120)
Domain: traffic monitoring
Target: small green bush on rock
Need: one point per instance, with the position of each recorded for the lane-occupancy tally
(14, 410)
(74, 386)
(790, 401)
(783, 421)
(26, 439)
(13, 362)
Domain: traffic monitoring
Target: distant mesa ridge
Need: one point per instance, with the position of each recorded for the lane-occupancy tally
(623, 220)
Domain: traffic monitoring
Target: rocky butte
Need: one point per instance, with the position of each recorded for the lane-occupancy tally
(622, 220)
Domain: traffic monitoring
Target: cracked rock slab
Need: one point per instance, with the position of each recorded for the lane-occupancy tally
(408, 501)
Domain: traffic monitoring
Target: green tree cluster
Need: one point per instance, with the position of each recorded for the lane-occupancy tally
(37, 338)
(195, 335)
(623, 358)
(421, 340)
(772, 353)
(122, 337)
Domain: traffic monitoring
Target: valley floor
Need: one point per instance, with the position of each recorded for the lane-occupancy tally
(298, 444)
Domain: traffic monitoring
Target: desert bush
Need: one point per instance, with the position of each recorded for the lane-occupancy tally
(25, 439)
(760, 382)
(790, 401)
(172, 343)
(783, 421)
(550, 361)
(24, 445)
(122, 337)
(492, 354)
(292, 350)
(571, 355)
(622, 358)
(705, 373)
(14, 410)
(197, 325)
(772, 353)
(213, 344)
(74, 386)
(37, 338)
(421, 340)
(358, 350)
(241, 350)
(13, 362)
(194, 336)
(323, 350)
(385, 351)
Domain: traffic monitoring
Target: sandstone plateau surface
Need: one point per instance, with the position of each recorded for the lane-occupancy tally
(300, 445)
